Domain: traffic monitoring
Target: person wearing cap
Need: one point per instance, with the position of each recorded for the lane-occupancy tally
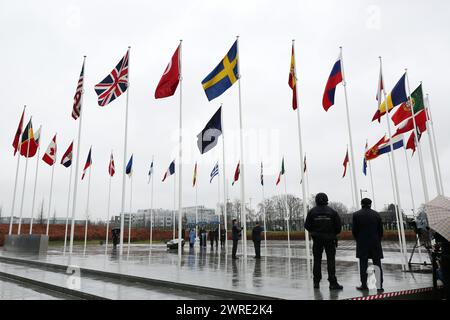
(367, 229)
(324, 225)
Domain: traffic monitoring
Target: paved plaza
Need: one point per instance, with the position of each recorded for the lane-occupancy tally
(280, 274)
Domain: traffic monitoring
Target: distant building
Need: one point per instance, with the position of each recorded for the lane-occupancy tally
(163, 218)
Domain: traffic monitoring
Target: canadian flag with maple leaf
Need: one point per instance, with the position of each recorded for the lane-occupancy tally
(50, 155)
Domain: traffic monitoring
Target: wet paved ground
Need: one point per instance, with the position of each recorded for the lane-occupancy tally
(12, 291)
(276, 275)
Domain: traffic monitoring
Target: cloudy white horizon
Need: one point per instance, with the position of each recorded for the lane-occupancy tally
(43, 44)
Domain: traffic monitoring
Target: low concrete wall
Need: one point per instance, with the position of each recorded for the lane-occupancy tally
(26, 243)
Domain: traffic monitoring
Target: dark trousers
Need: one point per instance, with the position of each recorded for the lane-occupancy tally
(363, 264)
(233, 252)
(257, 245)
(330, 249)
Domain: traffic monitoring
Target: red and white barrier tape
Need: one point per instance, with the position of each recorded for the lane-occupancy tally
(392, 294)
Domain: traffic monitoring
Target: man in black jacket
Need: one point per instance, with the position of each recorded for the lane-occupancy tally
(367, 229)
(324, 225)
(256, 237)
(235, 235)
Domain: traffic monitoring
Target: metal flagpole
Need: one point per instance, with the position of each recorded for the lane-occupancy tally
(419, 148)
(224, 188)
(68, 209)
(352, 159)
(264, 214)
(394, 168)
(130, 216)
(393, 172)
(77, 162)
(351, 182)
(180, 175)
(50, 197)
(24, 182)
(108, 210)
(412, 200)
(302, 165)
(400, 241)
(122, 208)
(371, 184)
(218, 199)
(196, 208)
(87, 210)
(433, 154)
(15, 181)
(35, 183)
(174, 203)
(435, 144)
(244, 216)
(287, 215)
(151, 205)
(409, 180)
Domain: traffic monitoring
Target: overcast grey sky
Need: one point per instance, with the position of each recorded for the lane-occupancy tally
(42, 48)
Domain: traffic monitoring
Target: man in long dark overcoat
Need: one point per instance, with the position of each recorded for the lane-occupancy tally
(367, 229)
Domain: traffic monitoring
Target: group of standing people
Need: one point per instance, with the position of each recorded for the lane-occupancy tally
(324, 225)
(204, 236)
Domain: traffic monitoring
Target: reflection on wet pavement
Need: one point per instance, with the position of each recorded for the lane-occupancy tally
(279, 273)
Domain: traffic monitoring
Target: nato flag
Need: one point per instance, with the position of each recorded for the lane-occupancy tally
(207, 139)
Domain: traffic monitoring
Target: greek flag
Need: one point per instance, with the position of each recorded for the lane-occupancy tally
(214, 172)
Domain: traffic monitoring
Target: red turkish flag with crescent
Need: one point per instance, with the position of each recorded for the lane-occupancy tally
(170, 78)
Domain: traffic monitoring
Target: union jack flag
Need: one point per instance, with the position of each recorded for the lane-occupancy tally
(114, 84)
(77, 98)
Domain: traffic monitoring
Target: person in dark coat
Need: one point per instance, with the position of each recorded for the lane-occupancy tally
(235, 236)
(367, 229)
(203, 237)
(324, 225)
(216, 237)
(211, 238)
(222, 238)
(256, 237)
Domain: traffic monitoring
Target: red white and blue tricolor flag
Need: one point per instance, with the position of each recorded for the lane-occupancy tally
(170, 171)
(66, 160)
(334, 79)
(88, 163)
(114, 84)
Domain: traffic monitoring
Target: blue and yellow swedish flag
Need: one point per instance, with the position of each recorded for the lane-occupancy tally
(223, 76)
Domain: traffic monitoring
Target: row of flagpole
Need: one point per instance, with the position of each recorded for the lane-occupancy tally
(402, 240)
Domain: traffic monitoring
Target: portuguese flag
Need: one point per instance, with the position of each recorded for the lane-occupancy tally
(404, 111)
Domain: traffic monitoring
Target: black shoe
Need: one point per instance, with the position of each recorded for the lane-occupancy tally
(381, 290)
(362, 288)
(336, 286)
(234, 258)
(316, 285)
